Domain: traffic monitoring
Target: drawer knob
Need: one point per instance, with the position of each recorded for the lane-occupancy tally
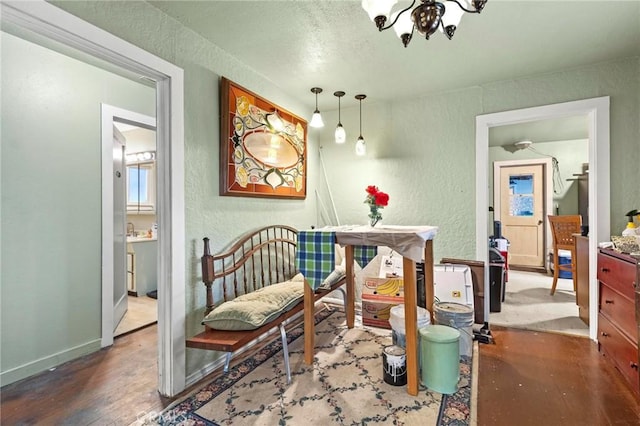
(604, 334)
(609, 301)
(605, 269)
(633, 365)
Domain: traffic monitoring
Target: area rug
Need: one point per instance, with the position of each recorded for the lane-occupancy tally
(529, 305)
(344, 386)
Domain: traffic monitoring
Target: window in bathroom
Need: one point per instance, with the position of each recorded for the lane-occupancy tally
(141, 187)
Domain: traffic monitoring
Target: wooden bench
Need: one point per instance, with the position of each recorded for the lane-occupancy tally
(261, 258)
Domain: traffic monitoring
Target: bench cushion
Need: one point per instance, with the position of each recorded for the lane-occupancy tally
(253, 310)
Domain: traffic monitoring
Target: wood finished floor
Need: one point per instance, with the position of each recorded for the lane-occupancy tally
(539, 378)
(526, 378)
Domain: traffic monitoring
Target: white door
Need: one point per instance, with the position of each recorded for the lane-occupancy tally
(120, 300)
(522, 213)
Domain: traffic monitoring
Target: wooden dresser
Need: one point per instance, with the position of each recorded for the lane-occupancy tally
(619, 312)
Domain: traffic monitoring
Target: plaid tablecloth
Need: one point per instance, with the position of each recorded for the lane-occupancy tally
(316, 255)
(364, 254)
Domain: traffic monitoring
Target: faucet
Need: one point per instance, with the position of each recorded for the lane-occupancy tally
(131, 229)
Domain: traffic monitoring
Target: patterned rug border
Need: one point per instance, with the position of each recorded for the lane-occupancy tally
(183, 411)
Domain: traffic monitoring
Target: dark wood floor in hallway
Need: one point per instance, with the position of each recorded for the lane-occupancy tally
(526, 378)
(537, 378)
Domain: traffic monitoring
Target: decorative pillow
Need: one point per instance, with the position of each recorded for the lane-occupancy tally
(247, 315)
(253, 310)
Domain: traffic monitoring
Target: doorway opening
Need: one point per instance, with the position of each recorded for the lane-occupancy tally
(523, 213)
(52, 26)
(132, 249)
(135, 223)
(596, 111)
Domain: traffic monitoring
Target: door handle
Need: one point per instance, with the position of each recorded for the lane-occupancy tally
(539, 222)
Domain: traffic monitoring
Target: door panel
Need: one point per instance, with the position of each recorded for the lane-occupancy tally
(120, 300)
(522, 213)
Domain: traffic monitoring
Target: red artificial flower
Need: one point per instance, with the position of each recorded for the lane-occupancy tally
(382, 199)
(372, 190)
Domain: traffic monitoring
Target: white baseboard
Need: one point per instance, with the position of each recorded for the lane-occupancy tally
(50, 362)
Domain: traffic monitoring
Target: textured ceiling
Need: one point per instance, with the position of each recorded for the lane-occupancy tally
(334, 45)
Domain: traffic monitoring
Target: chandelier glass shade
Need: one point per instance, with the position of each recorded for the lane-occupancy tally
(361, 147)
(316, 118)
(340, 134)
(426, 18)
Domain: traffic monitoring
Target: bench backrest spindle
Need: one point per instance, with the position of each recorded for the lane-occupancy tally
(263, 257)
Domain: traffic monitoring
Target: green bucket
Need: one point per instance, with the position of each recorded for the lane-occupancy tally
(440, 358)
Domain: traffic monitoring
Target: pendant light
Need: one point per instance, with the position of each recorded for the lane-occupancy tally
(316, 118)
(361, 148)
(340, 135)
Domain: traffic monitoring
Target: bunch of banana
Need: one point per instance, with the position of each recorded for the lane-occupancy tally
(384, 313)
(390, 288)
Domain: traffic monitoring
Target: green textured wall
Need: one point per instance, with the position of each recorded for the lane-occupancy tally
(51, 203)
(422, 151)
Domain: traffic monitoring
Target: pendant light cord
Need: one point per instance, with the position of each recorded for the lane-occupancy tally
(360, 117)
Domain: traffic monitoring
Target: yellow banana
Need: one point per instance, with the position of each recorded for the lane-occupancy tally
(385, 291)
(376, 288)
(390, 288)
(384, 287)
(384, 316)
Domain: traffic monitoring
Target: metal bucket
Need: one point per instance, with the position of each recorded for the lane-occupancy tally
(394, 365)
(460, 317)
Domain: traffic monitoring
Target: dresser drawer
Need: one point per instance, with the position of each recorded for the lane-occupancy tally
(619, 350)
(619, 310)
(617, 274)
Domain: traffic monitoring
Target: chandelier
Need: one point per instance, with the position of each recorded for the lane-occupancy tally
(425, 18)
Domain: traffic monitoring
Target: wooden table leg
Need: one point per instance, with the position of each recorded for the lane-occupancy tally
(428, 277)
(411, 320)
(351, 296)
(309, 324)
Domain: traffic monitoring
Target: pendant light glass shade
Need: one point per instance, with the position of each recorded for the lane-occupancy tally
(377, 8)
(451, 18)
(316, 118)
(361, 148)
(403, 25)
(340, 134)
